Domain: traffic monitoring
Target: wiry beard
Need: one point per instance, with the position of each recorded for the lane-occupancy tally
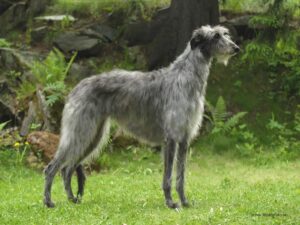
(223, 59)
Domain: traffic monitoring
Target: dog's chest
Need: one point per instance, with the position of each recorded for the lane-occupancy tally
(195, 116)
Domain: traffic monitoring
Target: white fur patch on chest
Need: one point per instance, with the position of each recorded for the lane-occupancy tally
(196, 118)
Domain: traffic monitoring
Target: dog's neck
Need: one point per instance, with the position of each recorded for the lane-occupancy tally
(194, 61)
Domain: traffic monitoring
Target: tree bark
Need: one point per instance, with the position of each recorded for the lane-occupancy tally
(170, 30)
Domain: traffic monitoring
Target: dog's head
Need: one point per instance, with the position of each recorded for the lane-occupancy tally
(214, 42)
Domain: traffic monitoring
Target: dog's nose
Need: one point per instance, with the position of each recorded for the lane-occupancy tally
(236, 49)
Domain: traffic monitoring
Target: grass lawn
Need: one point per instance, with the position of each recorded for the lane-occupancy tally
(221, 190)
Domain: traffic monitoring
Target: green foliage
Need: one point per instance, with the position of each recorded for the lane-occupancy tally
(48, 76)
(270, 21)
(2, 125)
(132, 8)
(21, 153)
(35, 126)
(276, 49)
(4, 43)
(245, 5)
(258, 6)
(285, 137)
(66, 22)
(220, 119)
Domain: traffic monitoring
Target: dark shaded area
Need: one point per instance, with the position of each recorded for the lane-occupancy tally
(15, 13)
(171, 28)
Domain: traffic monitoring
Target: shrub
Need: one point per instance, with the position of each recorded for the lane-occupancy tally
(275, 50)
(49, 77)
(220, 119)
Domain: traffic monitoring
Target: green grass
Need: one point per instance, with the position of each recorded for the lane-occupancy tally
(94, 7)
(221, 189)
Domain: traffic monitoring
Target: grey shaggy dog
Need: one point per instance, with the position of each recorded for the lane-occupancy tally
(158, 107)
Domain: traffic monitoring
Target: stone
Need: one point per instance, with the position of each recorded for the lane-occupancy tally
(7, 59)
(43, 143)
(39, 33)
(242, 27)
(83, 44)
(55, 18)
(4, 5)
(240, 21)
(15, 13)
(36, 6)
(13, 17)
(104, 31)
(88, 41)
(79, 71)
(17, 60)
(8, 111)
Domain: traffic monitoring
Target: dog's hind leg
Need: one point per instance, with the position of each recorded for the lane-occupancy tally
(50, 172)
(100, 140)
(67, 173)
(81, 181)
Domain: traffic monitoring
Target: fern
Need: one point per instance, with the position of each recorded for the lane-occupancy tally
(49, 75)
(52, 99)
(4, 43)
(220, 119)
(220, 111)
(55, 92)
(2, 125)
(233, 121)
(26, 90)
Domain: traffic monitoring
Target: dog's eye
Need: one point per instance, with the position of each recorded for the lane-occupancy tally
(226, 33)
(217, 36)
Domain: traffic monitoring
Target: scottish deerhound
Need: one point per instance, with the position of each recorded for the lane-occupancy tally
(159, 107)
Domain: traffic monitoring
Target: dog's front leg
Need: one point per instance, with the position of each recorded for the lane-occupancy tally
(181, 161)
(169, 153)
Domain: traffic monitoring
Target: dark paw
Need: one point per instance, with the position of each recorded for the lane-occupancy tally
(185, 204)
(172, 205)
(74, 200)
(49, 204)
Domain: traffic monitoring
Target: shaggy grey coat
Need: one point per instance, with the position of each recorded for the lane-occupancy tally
(158, 107)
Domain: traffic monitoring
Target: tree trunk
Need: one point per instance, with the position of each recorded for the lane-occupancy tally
(183, 16)
(169, 31)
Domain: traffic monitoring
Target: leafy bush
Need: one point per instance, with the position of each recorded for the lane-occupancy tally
(276, 49)
(284, 136)
(4, 43)
(49, 77)
(2, 125)
(132, 8)
(222, 122)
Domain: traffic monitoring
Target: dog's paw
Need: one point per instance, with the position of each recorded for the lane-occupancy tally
(185, 204)
(172, 205)
(49, 204)
(74, 200)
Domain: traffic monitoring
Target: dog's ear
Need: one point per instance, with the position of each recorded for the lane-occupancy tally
(197, 41)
